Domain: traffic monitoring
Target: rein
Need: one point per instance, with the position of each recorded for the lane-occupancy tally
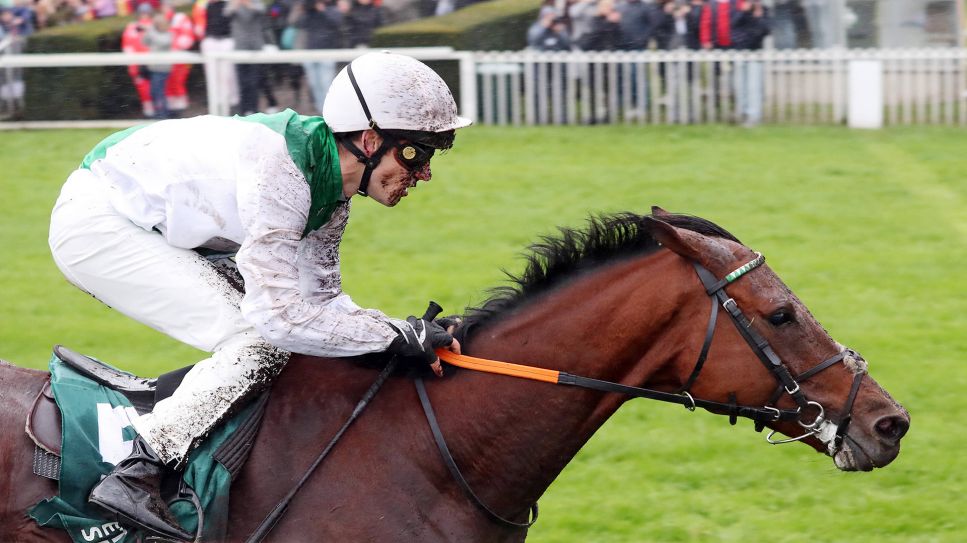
(269, 522)
(455, 470)
(826, 431)
(767, 414)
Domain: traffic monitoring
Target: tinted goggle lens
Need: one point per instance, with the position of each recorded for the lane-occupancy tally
(414, 155)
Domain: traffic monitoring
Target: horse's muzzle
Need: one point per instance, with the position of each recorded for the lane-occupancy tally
(874, 447)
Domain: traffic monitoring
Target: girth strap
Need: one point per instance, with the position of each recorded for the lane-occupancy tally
(455, 470)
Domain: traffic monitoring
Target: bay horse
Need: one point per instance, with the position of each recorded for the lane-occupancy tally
(619, 302)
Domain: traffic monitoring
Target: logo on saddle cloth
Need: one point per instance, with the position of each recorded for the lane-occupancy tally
(114, 431)
(109, 531)
(97, 434)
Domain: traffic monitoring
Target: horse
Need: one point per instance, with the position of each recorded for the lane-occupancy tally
(618, 302)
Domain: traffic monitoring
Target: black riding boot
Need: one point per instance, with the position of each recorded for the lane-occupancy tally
(133, 491)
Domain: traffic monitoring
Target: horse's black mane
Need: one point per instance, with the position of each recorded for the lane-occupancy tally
(552, 260)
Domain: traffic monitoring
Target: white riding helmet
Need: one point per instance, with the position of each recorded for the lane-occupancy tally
(401, 92)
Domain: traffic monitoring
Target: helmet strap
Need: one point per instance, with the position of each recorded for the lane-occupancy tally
(373, 160)
(369, 162)
(362, 101)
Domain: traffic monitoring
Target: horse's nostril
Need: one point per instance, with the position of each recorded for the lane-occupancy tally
(892, 428)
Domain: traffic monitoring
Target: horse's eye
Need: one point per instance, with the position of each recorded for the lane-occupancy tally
(780, 317)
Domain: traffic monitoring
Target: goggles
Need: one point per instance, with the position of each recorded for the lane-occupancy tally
(413, 156)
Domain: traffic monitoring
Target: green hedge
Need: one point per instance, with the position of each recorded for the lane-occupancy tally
(80, 93)
(497, 25)
(107, 92)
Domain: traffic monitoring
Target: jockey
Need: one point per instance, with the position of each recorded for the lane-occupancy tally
(131, 223)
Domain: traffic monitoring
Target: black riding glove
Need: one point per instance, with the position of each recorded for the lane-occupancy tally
(447, 322)
(418, 339)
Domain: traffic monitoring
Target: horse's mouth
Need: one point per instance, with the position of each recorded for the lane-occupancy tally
(853, 457)
(849, 458)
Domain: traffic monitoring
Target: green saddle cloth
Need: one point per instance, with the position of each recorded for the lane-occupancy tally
(96, 434)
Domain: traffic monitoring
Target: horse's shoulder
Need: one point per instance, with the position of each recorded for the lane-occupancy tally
(327, 387)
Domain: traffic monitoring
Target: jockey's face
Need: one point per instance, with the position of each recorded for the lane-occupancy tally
(391, 180)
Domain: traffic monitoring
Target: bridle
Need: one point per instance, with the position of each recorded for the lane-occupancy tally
(821, 427)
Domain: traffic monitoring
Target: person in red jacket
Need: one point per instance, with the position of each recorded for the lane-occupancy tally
(182, 39)
(715, 24)
(198, 18)
(132, 41)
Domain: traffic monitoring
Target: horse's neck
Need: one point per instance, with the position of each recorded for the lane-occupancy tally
(610, 325)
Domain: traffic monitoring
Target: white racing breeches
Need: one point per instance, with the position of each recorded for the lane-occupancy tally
(174, 291)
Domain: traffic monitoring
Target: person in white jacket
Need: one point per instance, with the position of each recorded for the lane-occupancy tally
(132, 222)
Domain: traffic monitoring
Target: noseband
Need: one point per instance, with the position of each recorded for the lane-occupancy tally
(827, 431)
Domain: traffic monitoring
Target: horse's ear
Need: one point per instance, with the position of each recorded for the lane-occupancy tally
(658, 212)
(686, 243)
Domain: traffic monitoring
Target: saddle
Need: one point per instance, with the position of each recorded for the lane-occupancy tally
(78, 462)
(44, 425)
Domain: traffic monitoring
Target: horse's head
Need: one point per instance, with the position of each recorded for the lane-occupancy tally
(766, 349)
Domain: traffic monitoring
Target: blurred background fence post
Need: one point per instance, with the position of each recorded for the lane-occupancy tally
(866, 94)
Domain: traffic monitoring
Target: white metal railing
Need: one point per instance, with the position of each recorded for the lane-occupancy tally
(217, 97)
(923, 86)
(664, 87)
(219, 106)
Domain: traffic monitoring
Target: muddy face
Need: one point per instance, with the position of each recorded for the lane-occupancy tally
(391, 180)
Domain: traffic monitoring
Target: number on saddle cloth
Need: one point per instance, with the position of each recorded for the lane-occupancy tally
(97, 403)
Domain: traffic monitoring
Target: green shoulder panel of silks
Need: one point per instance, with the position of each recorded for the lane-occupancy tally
(97, 433)
(100, 150)
(312, 147)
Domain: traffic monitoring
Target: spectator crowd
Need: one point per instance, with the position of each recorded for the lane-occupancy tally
(212, 25)
(26, 16)
(638, 25)
(253, 25)
(244, 25)
(641, 25)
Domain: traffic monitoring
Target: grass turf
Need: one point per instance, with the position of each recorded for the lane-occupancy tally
(868, 228)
